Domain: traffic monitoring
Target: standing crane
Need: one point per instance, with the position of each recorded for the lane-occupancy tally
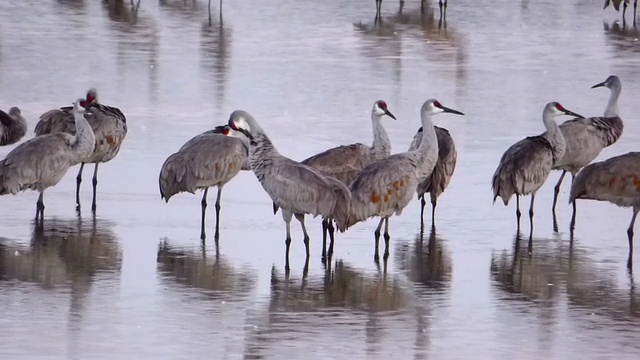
(387, 186)
(616, 5)
(295, 188)
(525, 166)
(42, 161)
(12, 126)
(586, 137)
(209, 159)
(345, 162)
(439, 179)
(109, 126)
(616, 180)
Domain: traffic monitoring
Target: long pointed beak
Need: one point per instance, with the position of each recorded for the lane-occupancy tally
(598, 85)
(389, 114)
(451, 111)
(569, 112)
(246, 133)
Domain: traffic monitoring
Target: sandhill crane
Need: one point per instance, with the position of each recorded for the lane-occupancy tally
(109, 126)
(438, 180)
(12, 126)
(386, 186)
(586, 137)
(616, 180)
(616, 5)
(212, 158)
(42, 161)
(525, 166)
(295, 188)
(345, 162)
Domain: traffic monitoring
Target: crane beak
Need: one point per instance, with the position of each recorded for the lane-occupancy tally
(571, 113)
(451, 111)
(599, 85)
(246, 133)
(389, 114)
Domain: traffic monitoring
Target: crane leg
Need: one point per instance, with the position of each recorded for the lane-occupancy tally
(40, 207)
(440, 5)
(217, 235)
(203, 203)
(434, 203)
(572, 226)
(78, 181)
(331, 236)
(95, 186)
(533, 198)
(635, 10)
(286, 216)
(624, 10)
(325, 230)
(422, 7)
(386, 238)
(376, 255)
(556, 191)
(423, 202)
(630, 235)
(300, 218)
(518, 211)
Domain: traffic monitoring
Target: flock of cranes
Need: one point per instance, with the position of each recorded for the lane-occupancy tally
(343, 185)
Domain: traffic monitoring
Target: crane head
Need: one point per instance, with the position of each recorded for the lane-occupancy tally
(611, 81)
(555, 109)
(14, 111)
(78, 106)
(380, 109)
(239, 121)
(92, 95)
(433, 107)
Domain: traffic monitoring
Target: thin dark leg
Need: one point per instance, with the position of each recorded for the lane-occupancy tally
(95, 185)
(533, 198)
(572, 226)
(556, 190)
(440, 5)
(217, 235)
(518, 214)
(300, 218)
(331, 236)
(376, 255)
(422, 7)
(386, 238)
(630, 235)
(40, 207)
(204, 208)
(324, 239)
(635, 10)
(287, 219)
(78, 181)
(434, 203)
(423, 202)
(624, 10)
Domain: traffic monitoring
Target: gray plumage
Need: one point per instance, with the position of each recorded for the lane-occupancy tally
(525, 166)
(616, 180)
(109, 126)
(209, 159)
(437, 182)
(12, 126)
(345, 162)
(586, 137)
(295, 188)
(385, 187)
(42, 161)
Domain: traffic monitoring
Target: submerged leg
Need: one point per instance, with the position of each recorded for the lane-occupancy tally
(95, 185)
(286, 216)
(78, 181)
(423, 202)
(386, 238)
(40, 207)
(203, 203)
(376, 233)
(556, 191)
(331, 236)
(300, 218)
(217, 235)
(434, 203)
(518, 211)
(324, 238)
(533, 198)
(630, 235)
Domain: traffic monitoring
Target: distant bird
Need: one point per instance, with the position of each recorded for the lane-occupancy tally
(108, 123)
(295, 188)
(616, 5)
(42, 161)
(586, 137)
(345, 162)
(438, 180)
(212, 158)
(386, 186)
(525, 166)
(12, 126)
(616, 180)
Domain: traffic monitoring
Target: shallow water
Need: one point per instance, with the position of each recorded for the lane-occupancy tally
(136, 281)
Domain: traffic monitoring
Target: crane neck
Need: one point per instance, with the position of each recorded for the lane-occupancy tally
(612, 109)
(381, 147)
(85, 140)
(429, 138)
